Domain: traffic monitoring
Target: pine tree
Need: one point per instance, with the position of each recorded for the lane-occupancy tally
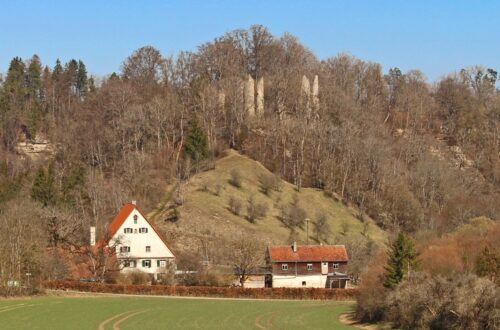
(57, 72)
(402, 261)
(71, 75)
(43, 189)
(196, 146)
(81, 79)
(34, 88)
(35, 78)
(14, 88)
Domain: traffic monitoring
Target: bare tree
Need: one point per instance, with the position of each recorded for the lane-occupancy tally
(245, 255)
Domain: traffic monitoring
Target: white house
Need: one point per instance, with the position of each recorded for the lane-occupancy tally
(138, 244)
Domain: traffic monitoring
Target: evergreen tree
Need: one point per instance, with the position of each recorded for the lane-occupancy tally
(402, 261)
(35, 78)
(57, 72)
(43, 189)
(72, 184)
(81, 79)
(196, 146)
(34, 89)
(488, 265)
(71, 75)
(14, 88)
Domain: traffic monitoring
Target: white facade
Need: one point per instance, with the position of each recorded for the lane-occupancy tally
(299, 281)
(139, 247)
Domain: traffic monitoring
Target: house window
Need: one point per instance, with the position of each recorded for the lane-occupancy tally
(146, 264)
(303, 283)
(124, 249)
(162, 263)
(309, 267)
(127, 230)
(135, 230)
(335, 265)
(129, 263)
(284, 266)
(135, 219)
(143, 230)
(148, 248)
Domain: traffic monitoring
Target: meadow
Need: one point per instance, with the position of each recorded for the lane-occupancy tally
(131, 312)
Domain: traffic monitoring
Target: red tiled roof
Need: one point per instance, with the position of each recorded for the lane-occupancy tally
(120, 218)
(308, 253)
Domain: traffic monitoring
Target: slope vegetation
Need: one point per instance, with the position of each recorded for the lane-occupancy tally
(205, 214)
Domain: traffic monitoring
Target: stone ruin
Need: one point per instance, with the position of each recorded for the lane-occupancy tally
(253, 94)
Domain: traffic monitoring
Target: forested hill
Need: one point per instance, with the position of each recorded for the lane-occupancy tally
(410, 154)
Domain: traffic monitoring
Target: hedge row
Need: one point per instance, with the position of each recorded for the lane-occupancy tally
(206, 291)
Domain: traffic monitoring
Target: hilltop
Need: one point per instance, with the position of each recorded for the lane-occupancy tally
(205, 216)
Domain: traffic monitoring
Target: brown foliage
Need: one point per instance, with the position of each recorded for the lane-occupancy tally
(205, 291)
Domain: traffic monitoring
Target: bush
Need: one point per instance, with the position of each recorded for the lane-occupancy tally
(211, 277)
(425, 302)
(256, 210)
(460, 302)
(269, 182)
(235, 205)
(235, 178)
(293, 216)
(135, 277)
(218, 189)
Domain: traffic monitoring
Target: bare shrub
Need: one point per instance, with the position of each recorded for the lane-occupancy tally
(213, 277)
(236, 178)
(344, 227)
(235, 205)
(133, 277)
(218, 189)
(293, 215)
(256, 210)
(460, 302)
(321, 227)
(269, 182)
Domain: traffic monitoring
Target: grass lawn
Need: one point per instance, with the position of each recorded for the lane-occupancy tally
(119, 312)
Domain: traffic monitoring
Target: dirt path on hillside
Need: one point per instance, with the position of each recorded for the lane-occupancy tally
(347, 319)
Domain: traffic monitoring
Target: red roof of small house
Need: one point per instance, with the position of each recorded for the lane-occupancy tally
(307, 253)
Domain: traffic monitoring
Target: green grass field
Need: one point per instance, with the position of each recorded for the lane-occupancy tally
(118, 312)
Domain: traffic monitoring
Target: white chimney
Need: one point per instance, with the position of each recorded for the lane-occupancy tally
(92, 236)
(134, 202)
(294, 246)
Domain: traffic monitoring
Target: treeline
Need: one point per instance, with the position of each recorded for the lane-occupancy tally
(380, 141)
(412, 155)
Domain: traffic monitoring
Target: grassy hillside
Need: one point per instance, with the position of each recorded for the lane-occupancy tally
(205, 211)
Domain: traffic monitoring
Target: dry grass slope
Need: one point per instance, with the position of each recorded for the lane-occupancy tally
(206, 213)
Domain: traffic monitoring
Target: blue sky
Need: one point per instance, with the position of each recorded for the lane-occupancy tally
(437, 37)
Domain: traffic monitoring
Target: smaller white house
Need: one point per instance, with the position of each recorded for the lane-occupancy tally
(138, 244)
(308, 266)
